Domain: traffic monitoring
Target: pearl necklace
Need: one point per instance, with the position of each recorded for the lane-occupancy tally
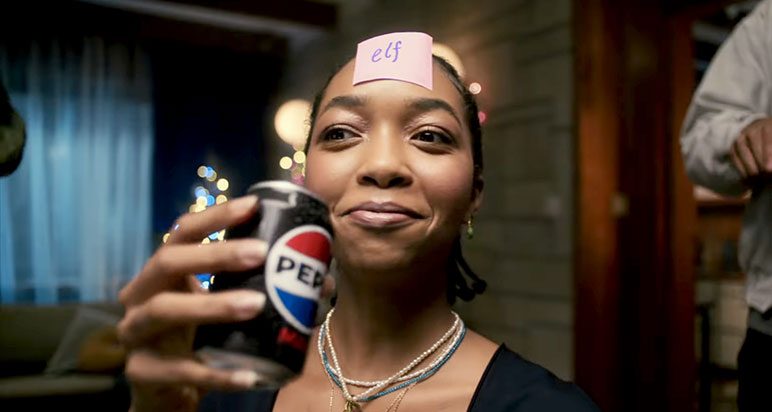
(457, 330)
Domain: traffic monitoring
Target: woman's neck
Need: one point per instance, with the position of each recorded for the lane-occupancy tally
(378, 329)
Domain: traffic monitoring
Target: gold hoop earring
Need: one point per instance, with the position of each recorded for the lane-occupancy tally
(470, 228)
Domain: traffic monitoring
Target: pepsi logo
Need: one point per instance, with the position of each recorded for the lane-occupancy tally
(294, 273)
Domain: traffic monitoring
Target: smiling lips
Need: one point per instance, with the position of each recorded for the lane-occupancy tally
(382, 215)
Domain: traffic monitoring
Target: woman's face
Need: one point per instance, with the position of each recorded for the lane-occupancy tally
(393, 160)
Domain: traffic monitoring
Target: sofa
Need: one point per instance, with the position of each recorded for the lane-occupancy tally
(62, 356)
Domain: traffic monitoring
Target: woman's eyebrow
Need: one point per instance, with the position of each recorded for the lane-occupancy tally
(346, 102)
(424, 105)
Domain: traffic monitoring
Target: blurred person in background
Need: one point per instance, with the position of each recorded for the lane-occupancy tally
(727, 147)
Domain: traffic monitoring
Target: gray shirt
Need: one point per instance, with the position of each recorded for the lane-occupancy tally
(736, 90)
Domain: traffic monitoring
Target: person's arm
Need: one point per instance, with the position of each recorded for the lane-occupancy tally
(734, 93)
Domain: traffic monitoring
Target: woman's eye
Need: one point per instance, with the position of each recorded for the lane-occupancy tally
(429, 136)
(337, 134)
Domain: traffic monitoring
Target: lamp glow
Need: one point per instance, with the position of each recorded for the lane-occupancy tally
(441, 50)
(291, 122)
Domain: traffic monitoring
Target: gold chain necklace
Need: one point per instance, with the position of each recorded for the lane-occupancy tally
(355, 407)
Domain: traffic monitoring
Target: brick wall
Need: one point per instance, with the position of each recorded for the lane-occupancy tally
(521, 53)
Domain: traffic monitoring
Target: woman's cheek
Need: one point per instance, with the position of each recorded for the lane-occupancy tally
(324, 176)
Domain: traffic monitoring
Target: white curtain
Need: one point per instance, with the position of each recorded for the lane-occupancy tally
(75, 217)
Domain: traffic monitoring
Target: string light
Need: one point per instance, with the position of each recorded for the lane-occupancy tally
(285, 163)
(202, 201)
(299, 157)
(199, 208)
(201, 191)
(202, 171)
(223, 184)
(212, 177)
(221, 199)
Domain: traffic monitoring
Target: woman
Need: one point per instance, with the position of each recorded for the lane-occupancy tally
(400, 168)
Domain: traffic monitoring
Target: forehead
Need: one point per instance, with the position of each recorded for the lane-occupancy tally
(341, 84)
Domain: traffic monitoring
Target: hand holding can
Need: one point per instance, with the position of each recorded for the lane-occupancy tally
(164, 304)
(295, 225)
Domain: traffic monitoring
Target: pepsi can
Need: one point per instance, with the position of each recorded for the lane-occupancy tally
(295, 224)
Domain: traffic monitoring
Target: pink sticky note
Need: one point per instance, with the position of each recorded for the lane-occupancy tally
(405, 56)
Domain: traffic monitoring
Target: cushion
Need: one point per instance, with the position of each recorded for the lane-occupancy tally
(86, 322)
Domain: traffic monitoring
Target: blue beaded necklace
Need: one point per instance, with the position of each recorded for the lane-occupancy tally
(406, 383)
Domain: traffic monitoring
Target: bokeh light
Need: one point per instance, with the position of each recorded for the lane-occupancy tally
(201, 192)
(285, 163)
(201, 171)
(199, 208)
(291, 122)
(210, 200)
(223, 184)
(206, 241)
(299, 157)
(212, 177)
(201, 201)
(482, 117)
(475, 88)
(451, 56)
(221, 199)
(166, 237)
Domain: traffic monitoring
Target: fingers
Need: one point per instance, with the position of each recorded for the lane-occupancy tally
(148, 368)
(752, 151)
(169, 266)
(167, 310)
(743, 158)
(192, 227)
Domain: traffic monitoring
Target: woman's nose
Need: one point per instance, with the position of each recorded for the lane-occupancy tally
(385, 162)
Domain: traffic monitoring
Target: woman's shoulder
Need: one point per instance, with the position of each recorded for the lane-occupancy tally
(512, 383)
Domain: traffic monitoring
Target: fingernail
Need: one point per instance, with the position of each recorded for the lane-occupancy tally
(248, 305)
(244, 378)
(253, 251)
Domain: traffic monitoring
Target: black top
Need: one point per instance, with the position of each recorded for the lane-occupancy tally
(509, 384)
